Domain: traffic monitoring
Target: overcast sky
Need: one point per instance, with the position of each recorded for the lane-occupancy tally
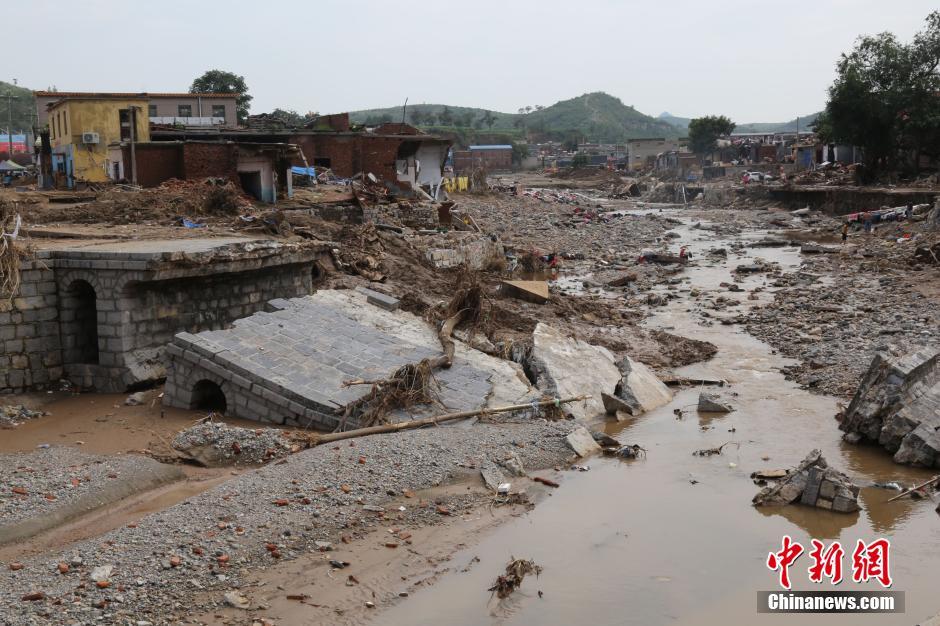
(753, 61)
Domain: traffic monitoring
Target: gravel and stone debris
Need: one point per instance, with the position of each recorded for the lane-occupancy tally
(213, 538)
(213, 443)
(12, 415)
(36, 484)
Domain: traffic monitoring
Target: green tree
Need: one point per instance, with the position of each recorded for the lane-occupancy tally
(446, 116)
(579, 160)
(519, 152)
(489, 119)
(704, 132)
(418, 117)
(218, 81)
(465, 119)
(884, 98)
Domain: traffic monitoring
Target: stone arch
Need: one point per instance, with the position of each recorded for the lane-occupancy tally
(79, 323)
(208, 396)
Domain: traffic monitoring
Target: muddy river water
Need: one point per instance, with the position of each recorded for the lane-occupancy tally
(673, 538)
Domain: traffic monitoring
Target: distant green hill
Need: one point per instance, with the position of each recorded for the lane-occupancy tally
(806, 123)
(431, 115)
(591, 117)
(598, 117)
(24, 108)
(682, 123)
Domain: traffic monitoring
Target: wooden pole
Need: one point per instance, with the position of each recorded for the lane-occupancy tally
(913, 489)
(391, 428)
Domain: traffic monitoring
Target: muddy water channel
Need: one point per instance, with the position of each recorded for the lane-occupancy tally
(673, 538)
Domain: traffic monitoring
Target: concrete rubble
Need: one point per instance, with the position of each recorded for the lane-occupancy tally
(897, 406)
(212, 443)
(564, 366)
(812, 483)
(712, 403)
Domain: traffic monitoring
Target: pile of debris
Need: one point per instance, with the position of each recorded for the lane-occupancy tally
(812, 483)
(12, 415)
(212, 443)
(897, 405)
(169, 202)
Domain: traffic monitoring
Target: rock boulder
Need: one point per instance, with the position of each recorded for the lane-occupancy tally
(897, 405)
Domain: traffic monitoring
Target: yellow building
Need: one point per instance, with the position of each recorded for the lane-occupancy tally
(82, 128)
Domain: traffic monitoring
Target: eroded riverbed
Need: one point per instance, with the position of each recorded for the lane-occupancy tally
(673, 538)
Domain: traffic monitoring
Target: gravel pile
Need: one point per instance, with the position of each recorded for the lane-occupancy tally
(183, 560)
(12, 415)
(217, 443)
(836, 313)
(37, 483)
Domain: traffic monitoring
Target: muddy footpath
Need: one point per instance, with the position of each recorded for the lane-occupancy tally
(400, 529)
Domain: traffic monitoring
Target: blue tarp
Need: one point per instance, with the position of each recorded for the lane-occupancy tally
(303, 171)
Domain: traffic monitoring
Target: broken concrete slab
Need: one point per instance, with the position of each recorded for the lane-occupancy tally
(565, 367)
(812, 483)
(815, 248)
(897, 405)
(529, 290)
(493, 477)
(640, 388)
(288, 366)
(623, 280)
(712, 403)
(582, 442)
(614, 405)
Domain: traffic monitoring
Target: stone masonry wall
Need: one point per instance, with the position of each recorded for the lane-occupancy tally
(103, 325)
(247, 395)
(29, 332)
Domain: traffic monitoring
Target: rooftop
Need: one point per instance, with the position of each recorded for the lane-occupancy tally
(116, 94)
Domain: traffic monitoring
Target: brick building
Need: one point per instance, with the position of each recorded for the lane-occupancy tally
(396, 153)
(189, 109)
(262, 169)
(494, 158)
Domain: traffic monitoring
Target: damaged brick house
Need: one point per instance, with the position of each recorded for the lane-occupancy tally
(262, 169)
(396, 153)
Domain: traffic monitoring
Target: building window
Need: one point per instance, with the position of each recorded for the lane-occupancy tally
(184, 110)
(65, 122)
(218, 110)
(151, 110)
(124, 117)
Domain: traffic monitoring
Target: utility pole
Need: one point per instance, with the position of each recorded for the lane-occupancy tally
(10, 98)
(133, 116)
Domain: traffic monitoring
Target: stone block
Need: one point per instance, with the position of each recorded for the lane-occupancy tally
(379, 299)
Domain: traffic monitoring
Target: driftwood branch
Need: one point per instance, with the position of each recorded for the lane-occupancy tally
(316, 439)
(915, 488)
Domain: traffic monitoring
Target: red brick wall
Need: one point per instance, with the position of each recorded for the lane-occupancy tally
(351, 154)
(494, 160)
(156, 162)
(202, 160)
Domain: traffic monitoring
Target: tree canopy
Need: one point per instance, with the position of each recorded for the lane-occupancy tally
(704, 132)
(886, 98)
(219, 81)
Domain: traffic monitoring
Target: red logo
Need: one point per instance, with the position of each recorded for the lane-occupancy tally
(869, 561)
(784, 559)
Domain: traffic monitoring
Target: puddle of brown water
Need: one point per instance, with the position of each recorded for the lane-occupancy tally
(638, 543)
(101, 422)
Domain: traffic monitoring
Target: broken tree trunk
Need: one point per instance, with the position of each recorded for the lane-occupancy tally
(316, 439)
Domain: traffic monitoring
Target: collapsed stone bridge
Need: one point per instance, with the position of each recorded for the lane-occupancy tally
(99, 314)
